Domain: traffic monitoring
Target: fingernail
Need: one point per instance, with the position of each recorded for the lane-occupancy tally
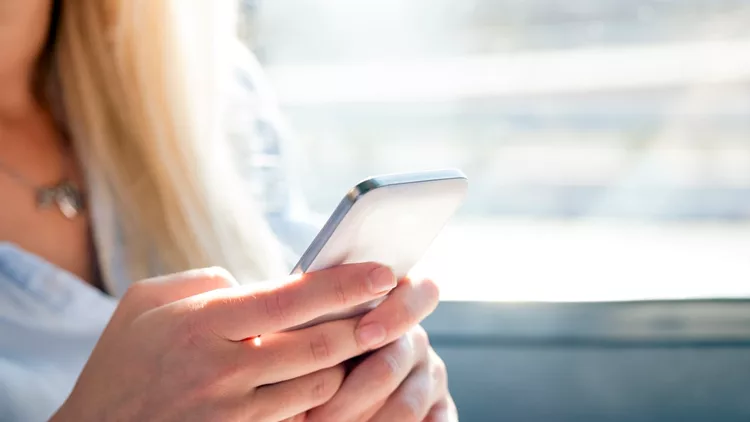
(381, 280)
(371, 335)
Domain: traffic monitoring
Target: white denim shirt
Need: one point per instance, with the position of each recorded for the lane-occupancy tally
(50, 320)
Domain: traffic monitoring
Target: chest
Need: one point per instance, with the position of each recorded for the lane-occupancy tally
(35, 155)
(44, 231)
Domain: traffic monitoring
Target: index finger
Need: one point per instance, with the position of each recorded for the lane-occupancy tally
(248, 311)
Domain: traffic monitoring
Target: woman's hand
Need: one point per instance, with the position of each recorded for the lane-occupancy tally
(186, 347)
(404, 381)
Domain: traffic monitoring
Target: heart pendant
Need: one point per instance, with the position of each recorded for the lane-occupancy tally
(69, 199)
(67, 208)
(65, 195)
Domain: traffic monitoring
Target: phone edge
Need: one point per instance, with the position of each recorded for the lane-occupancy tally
(324, 234)
(385, 180)
(359, 190)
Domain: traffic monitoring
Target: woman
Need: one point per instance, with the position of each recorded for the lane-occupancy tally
(113, 169)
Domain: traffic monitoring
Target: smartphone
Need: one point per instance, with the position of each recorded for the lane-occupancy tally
(390, 219)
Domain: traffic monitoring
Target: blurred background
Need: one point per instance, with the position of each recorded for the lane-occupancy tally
(607, 142)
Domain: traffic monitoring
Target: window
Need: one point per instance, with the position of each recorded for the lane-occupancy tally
(607, 143)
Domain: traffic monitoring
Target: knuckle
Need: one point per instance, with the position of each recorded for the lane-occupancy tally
(193, 332)
(392, 362)
(387, 367)
(319, 390)
(320, 348)
(275, 307)
(439, 371)
(409, 314)
(341, 296)
(403, 345)
(420, 337)
(430, 290)
(440, 365)
(219, 277)
(139, 290)
(324, 388)
(142, 294)
(412, 406)
(422, 298)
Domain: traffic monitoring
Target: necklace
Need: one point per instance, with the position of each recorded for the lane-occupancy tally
(65, 194)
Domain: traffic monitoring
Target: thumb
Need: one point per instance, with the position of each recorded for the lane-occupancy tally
(152, 293)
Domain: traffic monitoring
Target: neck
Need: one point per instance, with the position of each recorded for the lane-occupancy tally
(17, 99)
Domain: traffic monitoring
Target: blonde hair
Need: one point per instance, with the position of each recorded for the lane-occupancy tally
(141, 84)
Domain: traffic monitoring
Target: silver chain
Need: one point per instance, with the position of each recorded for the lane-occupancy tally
(18, 177)
(64, 193)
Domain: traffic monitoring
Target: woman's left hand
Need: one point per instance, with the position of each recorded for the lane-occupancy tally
(404, 380)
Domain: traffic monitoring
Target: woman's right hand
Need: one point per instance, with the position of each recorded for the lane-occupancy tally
(185, 347)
